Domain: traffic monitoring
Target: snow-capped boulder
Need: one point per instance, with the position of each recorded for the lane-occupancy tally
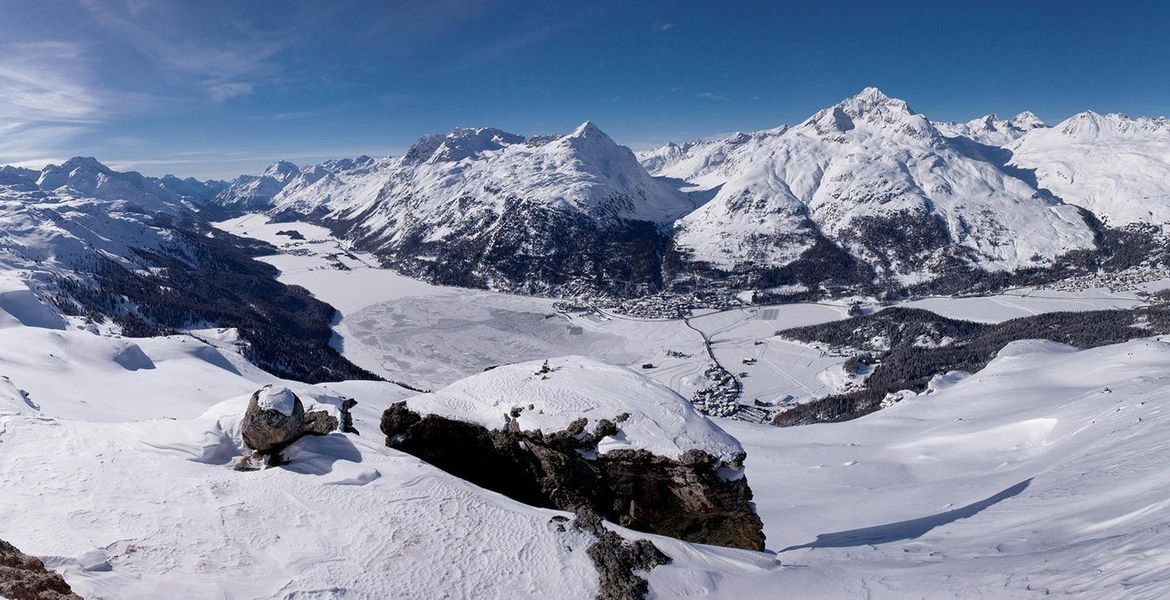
(276, 418)
(573, 432)
(24, 577)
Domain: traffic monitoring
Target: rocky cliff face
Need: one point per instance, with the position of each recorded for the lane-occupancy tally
(24, 577)
(688, 498)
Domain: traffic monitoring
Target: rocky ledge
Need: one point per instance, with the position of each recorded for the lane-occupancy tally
(695, 496)
(24, 577)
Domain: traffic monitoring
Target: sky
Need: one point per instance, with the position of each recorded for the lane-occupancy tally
(217, 88)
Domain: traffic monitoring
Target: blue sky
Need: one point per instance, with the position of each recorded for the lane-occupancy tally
(216, 88)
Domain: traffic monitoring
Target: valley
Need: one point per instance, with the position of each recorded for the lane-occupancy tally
(866, 355)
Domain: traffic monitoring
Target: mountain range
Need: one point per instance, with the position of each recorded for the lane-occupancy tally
(865, 195)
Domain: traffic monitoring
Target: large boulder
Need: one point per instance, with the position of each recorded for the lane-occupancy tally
(24, 577)
(581, 434)
(276, 418)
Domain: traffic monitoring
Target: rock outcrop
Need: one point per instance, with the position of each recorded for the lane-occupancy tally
(24, 577)
(618, 560)
(695, 497)
(276, 417)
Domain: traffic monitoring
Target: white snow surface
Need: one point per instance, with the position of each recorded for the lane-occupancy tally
(455, 182)
(660, 421)
(1040, 476)
(278, 398)
(993, 130)
(869, 156)
(1115, 166)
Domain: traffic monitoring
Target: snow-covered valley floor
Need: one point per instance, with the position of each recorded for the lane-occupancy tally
(1043, 475)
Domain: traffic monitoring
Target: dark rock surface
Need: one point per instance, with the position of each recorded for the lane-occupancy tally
(268, 431)
(24, 577)
(616, 559)
(686, 498)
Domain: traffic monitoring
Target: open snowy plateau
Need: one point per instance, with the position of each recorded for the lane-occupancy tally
(1039, 475)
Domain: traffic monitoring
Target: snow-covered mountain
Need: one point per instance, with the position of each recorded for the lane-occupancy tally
(487, 208)
(130, 254)
(993, 130)
(66, 216)
(255, 192)
(878, 180)
(1115, 166)
(866, 194)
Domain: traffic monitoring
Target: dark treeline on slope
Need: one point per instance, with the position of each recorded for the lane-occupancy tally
(214, 280)
(915, 348)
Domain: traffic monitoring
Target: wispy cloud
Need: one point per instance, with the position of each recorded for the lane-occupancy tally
(227, 65)
(501, 49)
(663, 26)
(223, 91)
(47, 97)
(712, 96)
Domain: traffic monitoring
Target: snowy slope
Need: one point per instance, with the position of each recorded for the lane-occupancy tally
(131, 439)
(1039, 477)
(879, 180)
(584, 171)
(1114, 166)
(660, 420)
(487, 208)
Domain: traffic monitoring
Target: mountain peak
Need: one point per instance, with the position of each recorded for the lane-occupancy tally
(459, 143)
(870, 100)
(83, 162)
(589, 134)
(873, 111)
(871, 94)
(282, 170)
(1027, 120)
(585, 129)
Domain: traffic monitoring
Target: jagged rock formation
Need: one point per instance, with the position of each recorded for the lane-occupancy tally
(24, 577)
(688, 498)
(617, 560)
(276, 418)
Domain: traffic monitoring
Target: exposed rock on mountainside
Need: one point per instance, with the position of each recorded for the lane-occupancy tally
(660, 467)
(24, 577)
(617, 560)
(687, 498)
